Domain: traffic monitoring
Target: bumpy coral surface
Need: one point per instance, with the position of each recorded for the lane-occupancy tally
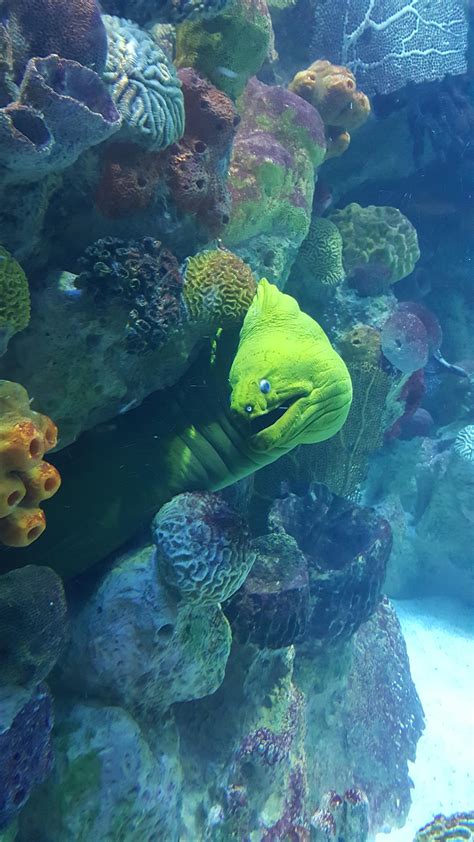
(14, 298)
(333, 91)
(229, 49)
(272, 606)
(347, 548)
(203, 548)
(458, 827)
(146, 276)
(25, 479)
(26, 754)
(218, 288)
(380, 246)
(33, 624)
(383, 716)
(319, 259)
(107, 783)
(151, 653)
(143, 84)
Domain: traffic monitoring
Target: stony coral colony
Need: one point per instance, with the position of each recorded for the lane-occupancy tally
(157, 159)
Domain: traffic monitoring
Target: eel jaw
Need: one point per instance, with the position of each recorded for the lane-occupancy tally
(276, 427)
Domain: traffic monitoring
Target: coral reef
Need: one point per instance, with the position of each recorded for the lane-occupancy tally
(218, 288)
(146, 12)
(464, 443)
(271, 608)
(202, 548)
(390, 44)
(319, 260)
(404, 341)
(230, 48)
(333, 92)
(279, 143)
(33, 624)
(380, 246)
(142, 273)
(458, 826)
(14, 298)
(347, 548)
(132, 646)
(26, 480)
(143, 85)
(26, 753)
(341, 817)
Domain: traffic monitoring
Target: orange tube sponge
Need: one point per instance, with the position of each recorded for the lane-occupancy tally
(333, 91)
(25, 479)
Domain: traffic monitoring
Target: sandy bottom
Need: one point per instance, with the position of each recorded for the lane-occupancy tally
(439, 634)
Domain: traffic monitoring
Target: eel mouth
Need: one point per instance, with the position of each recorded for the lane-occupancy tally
(263, 423)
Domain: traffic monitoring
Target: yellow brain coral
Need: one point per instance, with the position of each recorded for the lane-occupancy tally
(333, 91)
(25, 479)
(320, 256)
(218, 287)
(14, 298)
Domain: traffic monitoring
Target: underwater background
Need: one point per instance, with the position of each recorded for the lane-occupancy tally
(236, 420)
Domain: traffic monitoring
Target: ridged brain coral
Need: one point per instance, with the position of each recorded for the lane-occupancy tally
(202, 546)
(218, 287)
(14, 298)
(25, 479)
(320, 256)
(380, 246)
(458, 827)
(143, 84)
(464, 443)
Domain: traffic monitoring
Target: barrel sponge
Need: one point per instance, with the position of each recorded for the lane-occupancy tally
(33, 624)
(379, 244)
(202, 546)
(218, 287)
(25, 479)
(14, 298)
(320, 255)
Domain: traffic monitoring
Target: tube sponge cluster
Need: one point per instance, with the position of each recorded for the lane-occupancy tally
(25, 478)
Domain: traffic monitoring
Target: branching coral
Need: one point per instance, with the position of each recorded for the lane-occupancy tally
(143, 84)
(14, 298)
(388, 43)
(380, 246)
(33, 624)
(146, 277)
(218, 288)
(202, 546)
(333, 91)
(229, 49)
(25, 479)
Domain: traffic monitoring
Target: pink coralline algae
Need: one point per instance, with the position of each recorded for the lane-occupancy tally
(270, 748)
(341, 817)
(293, 825)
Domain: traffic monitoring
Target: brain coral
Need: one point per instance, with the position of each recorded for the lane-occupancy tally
(218, 287)
(458, 827)
(14, 298)
(143, 84)
(230, 48)
(464, 443)
(202, 547)
(146, 277)
(25, 479)
(333, 91)
(319, 259)
(380, 246)
(33, 624)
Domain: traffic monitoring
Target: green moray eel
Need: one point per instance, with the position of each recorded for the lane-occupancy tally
(250, 398)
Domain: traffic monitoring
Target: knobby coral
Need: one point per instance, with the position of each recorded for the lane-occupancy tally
(218, 288)
(14, 298)
(25, 479)
(333, 91)
(143, 84)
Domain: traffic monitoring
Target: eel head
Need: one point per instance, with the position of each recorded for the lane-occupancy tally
(288, 384)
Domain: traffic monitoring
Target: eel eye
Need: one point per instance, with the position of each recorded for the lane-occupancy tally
(249, 407)
(264, 386)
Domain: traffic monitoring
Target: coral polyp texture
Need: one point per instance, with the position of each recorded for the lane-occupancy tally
(143, 276)
(218, 288)
(333, 91)
(230, 48)
(380, 246)
(14, 298)
(33, 624)
(459, 827)
(388, 43)
(26, 480)
(143, 84)
(203, 548)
